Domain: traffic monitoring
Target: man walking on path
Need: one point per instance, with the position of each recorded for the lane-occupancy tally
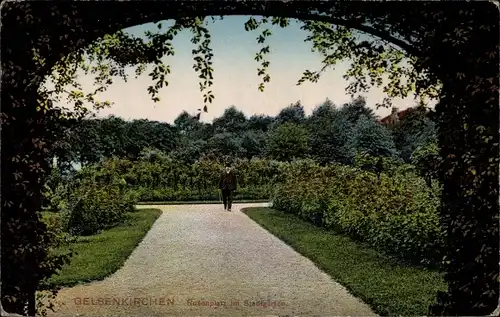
(227, 185)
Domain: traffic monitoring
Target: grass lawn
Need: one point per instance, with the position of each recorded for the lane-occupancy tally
(100, 255)
(390, 288)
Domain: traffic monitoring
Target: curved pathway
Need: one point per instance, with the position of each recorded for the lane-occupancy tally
(198, 260)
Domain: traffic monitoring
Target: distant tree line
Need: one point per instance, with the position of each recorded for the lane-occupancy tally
(331, 134)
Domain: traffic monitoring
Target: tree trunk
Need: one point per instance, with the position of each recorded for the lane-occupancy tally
(469, 209)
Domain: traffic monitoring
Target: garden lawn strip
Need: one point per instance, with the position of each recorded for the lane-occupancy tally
(100, 255)
(388, 287)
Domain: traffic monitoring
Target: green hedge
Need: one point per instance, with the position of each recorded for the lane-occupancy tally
(95, 200)
(166, 179)
(394, 213)
(99, 195)
(92, 208)
(145, 194)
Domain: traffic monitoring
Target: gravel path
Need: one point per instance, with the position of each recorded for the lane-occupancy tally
(195, 258)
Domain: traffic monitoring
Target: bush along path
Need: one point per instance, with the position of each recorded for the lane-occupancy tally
(201, 260)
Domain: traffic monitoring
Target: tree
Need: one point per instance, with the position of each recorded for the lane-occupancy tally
(232, 121)
(427, 161)
(286, 142)
(90, 140)
(253, 143)
(190, 150)
(160, 135)
(260, 122)
(356, 109)
(414, 130)
(323, 112)
(65, 149)
(112, 135)
(334, 143)
(294, 113)
(373, 139)
(204, 132)
(89, 144)
(140, 134)
(225, 144)
(186, 123)
(329, 133)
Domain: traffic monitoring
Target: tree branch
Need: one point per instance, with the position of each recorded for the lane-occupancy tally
(360, 27)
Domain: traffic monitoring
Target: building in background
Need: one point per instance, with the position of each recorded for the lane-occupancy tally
(395, 117)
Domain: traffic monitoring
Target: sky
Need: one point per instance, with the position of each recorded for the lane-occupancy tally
(235, 77)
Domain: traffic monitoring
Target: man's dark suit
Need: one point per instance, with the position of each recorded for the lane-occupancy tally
(227, 185)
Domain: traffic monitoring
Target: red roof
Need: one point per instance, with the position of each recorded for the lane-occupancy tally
(401, 115)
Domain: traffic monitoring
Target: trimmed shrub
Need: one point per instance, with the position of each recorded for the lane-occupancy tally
(169, 194)
(396, 213)
(93, 207)
(167, 179)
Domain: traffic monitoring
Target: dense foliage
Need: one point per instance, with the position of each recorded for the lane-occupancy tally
(330, 134)
(96, 199)
(379, 200)
(394, 212)
(141, 160)
(164, 178)
(366, 168)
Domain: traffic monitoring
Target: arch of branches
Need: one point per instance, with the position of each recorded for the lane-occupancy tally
(452, 51)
